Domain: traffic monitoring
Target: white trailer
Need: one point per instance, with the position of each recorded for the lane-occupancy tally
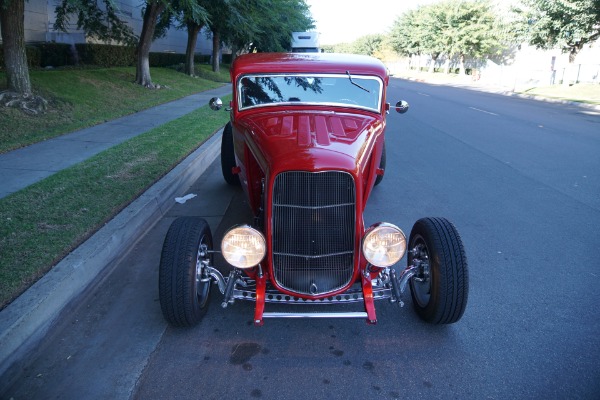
(305, 42)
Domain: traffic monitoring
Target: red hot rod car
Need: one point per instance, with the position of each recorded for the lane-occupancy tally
(306, 141)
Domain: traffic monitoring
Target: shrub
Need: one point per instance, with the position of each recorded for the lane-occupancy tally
(171, 59)
(33, 56)
(56, 54)
(105, 55)
(166, 59)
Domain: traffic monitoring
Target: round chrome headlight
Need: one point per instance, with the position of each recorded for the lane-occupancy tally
(243, 247)
(384, 244)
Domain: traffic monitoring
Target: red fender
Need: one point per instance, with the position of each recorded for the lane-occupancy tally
(261, 289)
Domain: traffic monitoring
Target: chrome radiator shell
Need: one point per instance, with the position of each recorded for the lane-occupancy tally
(313, 231)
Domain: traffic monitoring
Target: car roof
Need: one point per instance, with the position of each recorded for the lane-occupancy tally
(321, 63)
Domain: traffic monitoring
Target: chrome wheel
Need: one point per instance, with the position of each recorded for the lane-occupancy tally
(421, 282)
(202, 277)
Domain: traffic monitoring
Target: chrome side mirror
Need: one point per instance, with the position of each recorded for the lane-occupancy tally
(401, 107)
(215, 104)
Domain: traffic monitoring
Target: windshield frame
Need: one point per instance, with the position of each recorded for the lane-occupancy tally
(310, 103)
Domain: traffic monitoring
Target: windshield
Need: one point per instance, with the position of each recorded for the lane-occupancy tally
(337, 90)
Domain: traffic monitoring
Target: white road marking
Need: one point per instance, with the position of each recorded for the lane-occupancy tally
(483, 111)
(423, 94)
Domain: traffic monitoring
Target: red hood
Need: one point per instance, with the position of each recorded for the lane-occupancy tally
(300, 140)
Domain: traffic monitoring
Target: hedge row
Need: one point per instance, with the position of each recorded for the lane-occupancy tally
(34, 56)
(60, 54)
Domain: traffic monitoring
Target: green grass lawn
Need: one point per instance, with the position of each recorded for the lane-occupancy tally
(80, 98)
(44, 222)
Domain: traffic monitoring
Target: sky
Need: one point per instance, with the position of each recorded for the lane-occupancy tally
(343, 21)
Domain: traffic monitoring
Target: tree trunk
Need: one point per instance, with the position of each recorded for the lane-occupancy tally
(570, 76)
(12, 15)
(573, 51)
(434, 58)
(461, 70)
(193, 30)
(234, 52)
(215, 50)
(142, 71)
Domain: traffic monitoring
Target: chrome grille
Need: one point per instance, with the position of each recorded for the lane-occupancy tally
(313, 231)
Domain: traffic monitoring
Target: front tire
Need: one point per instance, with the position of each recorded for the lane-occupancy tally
(441, 288)
(183, 282)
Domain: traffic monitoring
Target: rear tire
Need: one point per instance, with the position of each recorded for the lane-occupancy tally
(183, 284)
(441, 290)
(228, 156)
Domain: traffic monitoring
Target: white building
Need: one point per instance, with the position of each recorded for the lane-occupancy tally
(40, 18)
(534, 67)
(523, 68)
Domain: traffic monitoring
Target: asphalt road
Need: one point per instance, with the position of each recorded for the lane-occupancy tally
(521, 181)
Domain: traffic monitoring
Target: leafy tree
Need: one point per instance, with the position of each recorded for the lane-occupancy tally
(276, 21)
(423, 31)
(241, 33)
(472, 30)
(456, 29)
(223, 14)
(96, 21)
(183, 17)
(568, 24)
(102, 24)
(368, 44)
(408, 34)
(152, 12)
(437, 39)
(405, 36)
(257, 25)
(193, 27)
(345, 48)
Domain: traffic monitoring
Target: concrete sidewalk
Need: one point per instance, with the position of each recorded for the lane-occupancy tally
(23, 167)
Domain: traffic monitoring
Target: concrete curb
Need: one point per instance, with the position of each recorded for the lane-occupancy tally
(28, 319)
(551, 100)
